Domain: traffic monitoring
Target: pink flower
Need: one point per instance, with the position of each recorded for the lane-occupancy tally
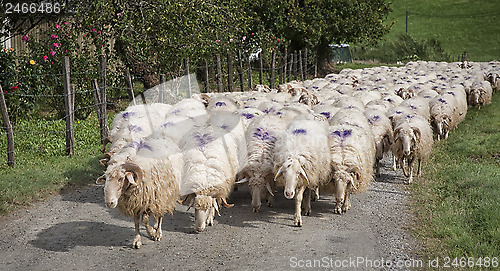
(25, 38)
(65, 23)
(52, 53)
(93, 29)
(45, 58)
(14, 88)
(57, 26)
(56, 45)
(54, 36)
(99, 32)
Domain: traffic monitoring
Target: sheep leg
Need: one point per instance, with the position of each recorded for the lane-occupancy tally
(347, 202)
(394, 164)
(419, 172)
(150, 230)
(410, 169)
(297, 219)
(377, 167)
(157, 227)
(307, 202)
(137, 238)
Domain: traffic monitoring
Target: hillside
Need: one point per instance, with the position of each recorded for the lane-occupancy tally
(464, 25)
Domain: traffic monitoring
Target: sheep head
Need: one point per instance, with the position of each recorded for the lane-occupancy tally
(291, 172)
(408, 136)
(442, 123)
(119, 179)
(344, 180)
(204, 211)
(259, 187)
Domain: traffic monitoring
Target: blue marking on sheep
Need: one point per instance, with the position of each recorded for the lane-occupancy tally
(315, 87)
(127, 115)
(442, 100)
(412, 107)
(248, 115)
(140, 145)
(134, 128)
(268, 110)
(451, 92)
(226, 127)
(203, 140)
(374, 119)
(342, 135)
(175, 112)
(299, 132)
(326, 114)
(166, 124)
(263, 135)
(220, 104)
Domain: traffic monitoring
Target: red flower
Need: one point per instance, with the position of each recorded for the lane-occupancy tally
(25, 38)
(14, 88)
(45, 58)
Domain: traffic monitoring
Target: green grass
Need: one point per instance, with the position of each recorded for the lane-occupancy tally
(463, 25)
(458, 199)
(42, 168)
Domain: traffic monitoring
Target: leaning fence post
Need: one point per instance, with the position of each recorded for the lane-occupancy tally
(230, 85)
(240, 70)
(98, 107)
(9, 130)
(130, 87)
(261, 68)
(285, 61)
(219, 73)
(104, 102)
(70, 132)
(249, 71)
(273, 66)
(207, 87)
(186, 65)
(301, 69)
(305, 62)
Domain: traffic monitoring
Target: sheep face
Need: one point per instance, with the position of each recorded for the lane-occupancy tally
(409, 137)
(117, 182)
(474, 96)
(344, 181)
(259, 189)
(442, 124)
(292, 172)
(205, 207)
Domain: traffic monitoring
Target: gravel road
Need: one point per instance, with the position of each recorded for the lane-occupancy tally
(75, 231)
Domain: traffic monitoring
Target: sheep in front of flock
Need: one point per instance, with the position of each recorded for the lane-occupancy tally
(412, 141)
(213, 155)
(480, 94)
(302, 161)
(134, 123)
(382, 134)
(352, 151)
(443, 109)
(261, 137)
(146, 183)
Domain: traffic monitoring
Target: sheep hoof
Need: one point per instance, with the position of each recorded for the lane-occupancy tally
(256, 209)
(307, 212)
(298, 222)
(137, 243)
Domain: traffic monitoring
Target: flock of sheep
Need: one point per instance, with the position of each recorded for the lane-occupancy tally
(323, 135)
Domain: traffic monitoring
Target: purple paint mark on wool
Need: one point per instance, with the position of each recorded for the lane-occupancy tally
(315, 87)
(342, 135)
(442, 100)
(351, 107)
(410, 116)
(140, 145)
(339, 91)
(175, 112)
(374, 119)
(166, 124)
(399, 112)
(203, 140)
(413, 107)
(225, 127)
(219, 104)
(427, 97)
(299, 132)
(248, 115)
(263, 135)
(268, 110)
(390, 100)
(326, 114)
(451, 92)
(134, 128)
(127, 115)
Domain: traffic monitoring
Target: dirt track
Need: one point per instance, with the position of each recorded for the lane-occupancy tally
(76, 231)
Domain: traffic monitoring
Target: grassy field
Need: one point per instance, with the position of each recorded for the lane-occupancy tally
(461, 25)
(457, 200)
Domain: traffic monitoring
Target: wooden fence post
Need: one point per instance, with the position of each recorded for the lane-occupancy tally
(219, 73)
(294, 62)
(285, 62)
(130, 87)
(230, 85)
(249, 71)
(161, 94)
(261, 68)
(69, 107)
(290, 68)
(301, 70)
(186, 65)
(206, 76)
(304, 62)
(104, 100)
(273, 66)
(9, 130)
(240, 70)
(98, 107)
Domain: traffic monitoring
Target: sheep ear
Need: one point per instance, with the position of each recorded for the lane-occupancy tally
(189, 198)
(304, 174)
(130, 178)
(417, 133)
(104, 162)
(101, 180)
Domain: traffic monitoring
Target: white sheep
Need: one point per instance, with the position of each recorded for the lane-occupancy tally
(382, 133)
(212, 155)
(145, 184)
(480, 94)
(412, 141)
(261, 137)
(352, 151)
(302, 160)
(443, 109)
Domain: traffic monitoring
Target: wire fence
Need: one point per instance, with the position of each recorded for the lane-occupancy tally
(27, 139)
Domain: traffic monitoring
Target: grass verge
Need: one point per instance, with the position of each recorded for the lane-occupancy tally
(458, 198)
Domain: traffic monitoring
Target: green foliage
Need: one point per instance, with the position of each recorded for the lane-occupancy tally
(457, 203)
(404, 48)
